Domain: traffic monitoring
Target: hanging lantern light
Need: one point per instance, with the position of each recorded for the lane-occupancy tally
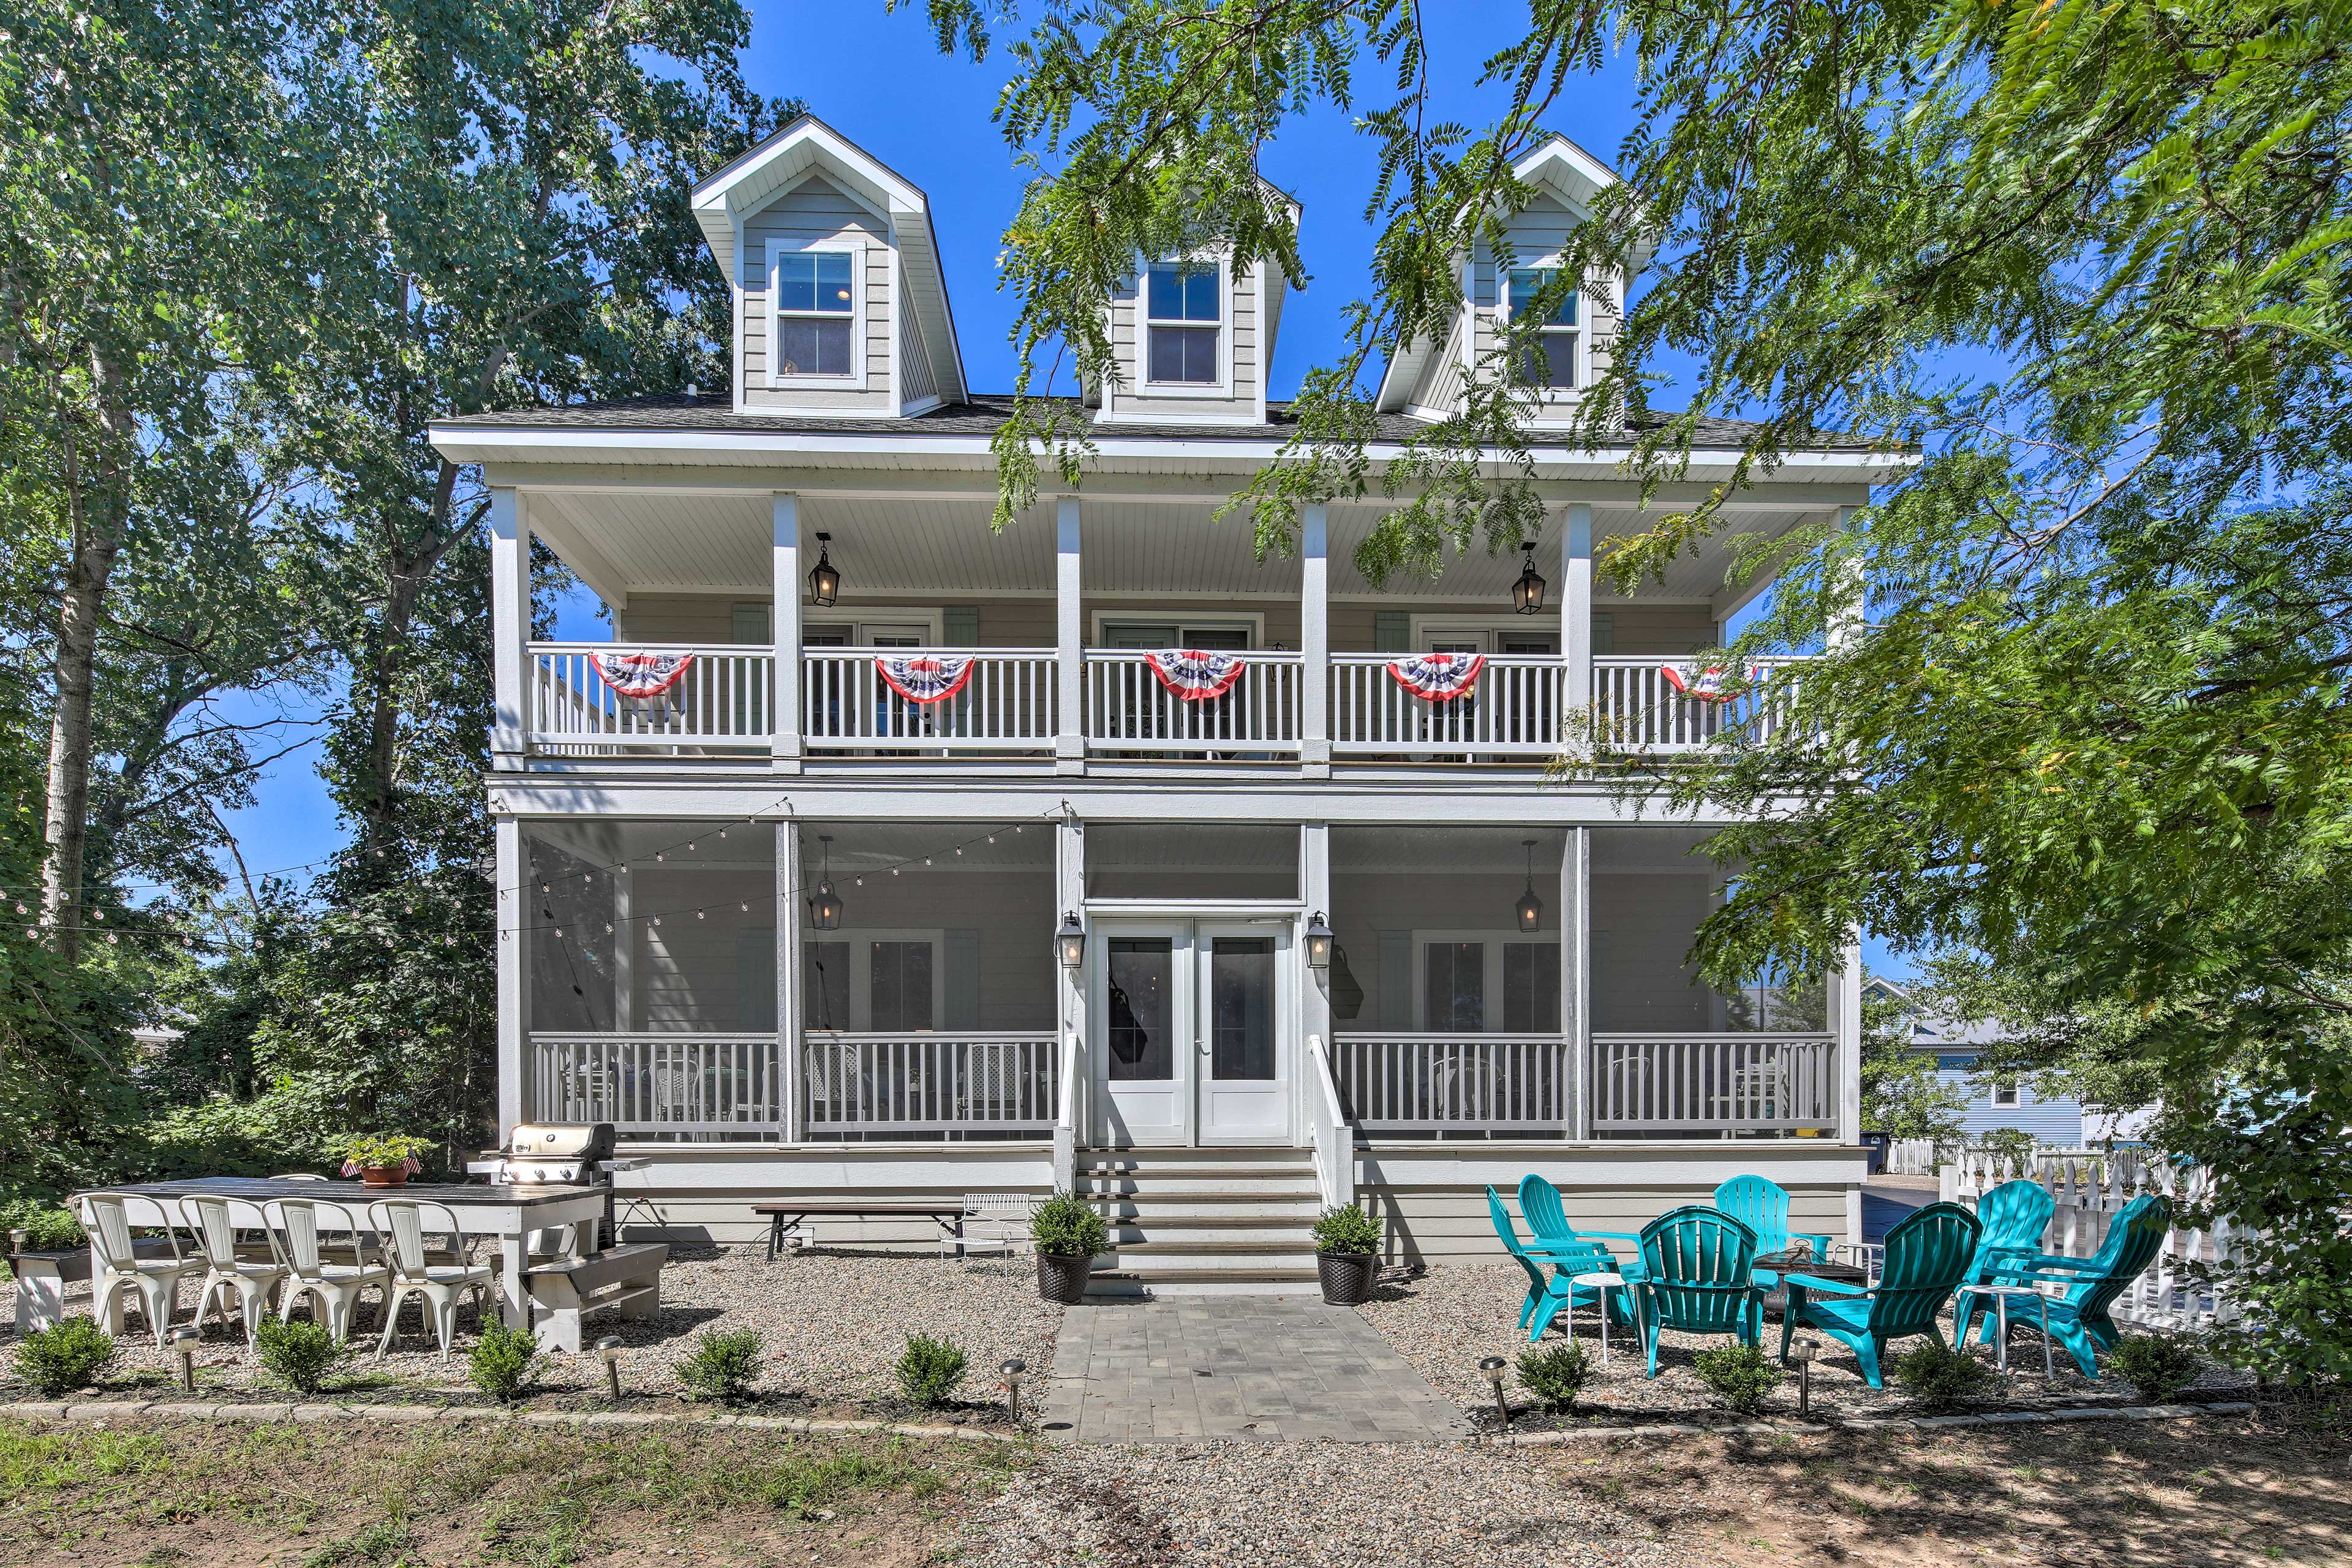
(824, 578)
(1070, 941)
(825, 909)
(1526, 593)
(1318, 941)
(1530, 908)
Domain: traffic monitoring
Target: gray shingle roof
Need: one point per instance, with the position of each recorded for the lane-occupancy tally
(978, 418)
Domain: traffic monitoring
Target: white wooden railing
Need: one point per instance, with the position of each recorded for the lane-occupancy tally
(658, 1082)
(1006, 704)
(931, 1083)
(724, 700)
(1456, 1083)
(1637, 709)
(1713, 1083)
(1515, 709)
(1328, 1132)
(1127, 710)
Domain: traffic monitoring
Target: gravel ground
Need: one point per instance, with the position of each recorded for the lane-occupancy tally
(835, 1323)
(1444, 1321)
(1363, 1505)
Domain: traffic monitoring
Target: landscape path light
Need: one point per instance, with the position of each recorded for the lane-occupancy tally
(1491, 1369)
(1803, 1352)
(608, 1350)
(1013, 1370)
(183, 1345)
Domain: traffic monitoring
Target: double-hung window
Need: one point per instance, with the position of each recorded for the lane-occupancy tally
(817, 314)
(1183, 316)
(1550, 358)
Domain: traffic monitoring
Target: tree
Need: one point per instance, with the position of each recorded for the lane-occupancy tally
(1901, 1095)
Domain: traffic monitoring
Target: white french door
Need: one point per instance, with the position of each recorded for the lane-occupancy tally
(1192, 1024)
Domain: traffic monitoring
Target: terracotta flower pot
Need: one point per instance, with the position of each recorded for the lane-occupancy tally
(383, 1175)
(1346, 1276)
(1063, 1280)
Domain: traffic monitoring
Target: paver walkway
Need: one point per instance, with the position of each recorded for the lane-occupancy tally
(1248, 1368)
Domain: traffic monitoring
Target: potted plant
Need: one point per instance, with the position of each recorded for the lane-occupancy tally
(1068, 1236)
(1346, 1255)
(382, 1159)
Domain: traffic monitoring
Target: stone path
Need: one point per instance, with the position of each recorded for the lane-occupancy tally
(1245, 1368)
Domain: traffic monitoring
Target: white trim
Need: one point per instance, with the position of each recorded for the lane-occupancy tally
(1099, 636)
(1425, 626)
(738, 372)
(892, 294)
(859, 618)
(855, 380)
(1582, 370)
(1264, 353)
(1222, 387)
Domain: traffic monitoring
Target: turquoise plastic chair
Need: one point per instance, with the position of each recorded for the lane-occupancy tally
(1762, 1206)
(1540, 1206)
(1546, 1294)
(2014, 1215)
(1928, 1253)
(1699, 1268)
(2080, 1320)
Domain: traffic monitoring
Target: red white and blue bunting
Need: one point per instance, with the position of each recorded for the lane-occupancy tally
(1699, 685)
(1195, 674)
(641, 675)
(1438, 677)
(925, 677)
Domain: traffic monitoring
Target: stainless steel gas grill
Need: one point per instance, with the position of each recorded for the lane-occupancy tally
(569, 1154)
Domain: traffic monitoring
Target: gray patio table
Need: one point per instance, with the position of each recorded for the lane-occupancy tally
(508, 1211)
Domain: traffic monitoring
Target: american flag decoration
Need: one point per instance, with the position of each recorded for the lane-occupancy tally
(1699, 685)
(1438, 677)
(641, 675)
(925, 677)
(1193, 674)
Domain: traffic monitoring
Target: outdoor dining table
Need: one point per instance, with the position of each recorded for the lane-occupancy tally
(511, 1213)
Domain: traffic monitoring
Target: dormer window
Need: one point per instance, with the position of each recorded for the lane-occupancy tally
(1549, 359)
(1183, 315)
(817, 314)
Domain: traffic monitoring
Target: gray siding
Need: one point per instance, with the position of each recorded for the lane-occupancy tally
(815, 212)
(1241, 346)
(914, 378)
(1535, 237)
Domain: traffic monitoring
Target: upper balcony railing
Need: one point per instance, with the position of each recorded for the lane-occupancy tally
(605, 699)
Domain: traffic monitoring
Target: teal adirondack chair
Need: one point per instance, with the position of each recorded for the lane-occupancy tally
(2014, 1215)
(1762, 1206)
(1540, 1206)
(2079, 1320)
(1546, 1294)
(1698, 1266)
(1928, 1255)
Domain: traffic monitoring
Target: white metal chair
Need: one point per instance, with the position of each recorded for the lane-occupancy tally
(401, 1223)
(335, 1287)
(155, 1281)
(992, 1222)
(252, 1281)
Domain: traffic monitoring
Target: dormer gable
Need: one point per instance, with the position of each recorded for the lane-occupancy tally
(840, 299)
(1424, 379)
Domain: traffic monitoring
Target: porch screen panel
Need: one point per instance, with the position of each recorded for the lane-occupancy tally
(1241, 1007)
(1453, 986)
(825, 972)
(1142, 978)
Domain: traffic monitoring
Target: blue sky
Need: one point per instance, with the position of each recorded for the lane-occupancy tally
(878, 78)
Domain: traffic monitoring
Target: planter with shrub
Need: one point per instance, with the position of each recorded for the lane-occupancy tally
(384, 1159)
(1068, 1236)
(1346, 1255)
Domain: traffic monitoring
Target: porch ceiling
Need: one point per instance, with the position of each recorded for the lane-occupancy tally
(653, 541)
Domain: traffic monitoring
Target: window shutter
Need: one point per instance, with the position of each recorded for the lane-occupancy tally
(1391, 632)
(750, 622)
(959, 624)
(1604, 635)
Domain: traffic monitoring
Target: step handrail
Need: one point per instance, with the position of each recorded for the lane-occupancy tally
(1327, 1130)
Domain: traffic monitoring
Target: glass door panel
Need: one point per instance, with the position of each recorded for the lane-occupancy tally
(1245, 1095)
(1143, 1013)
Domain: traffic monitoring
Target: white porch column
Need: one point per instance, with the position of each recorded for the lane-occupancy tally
(1576, 609)
(625, 957)
(1315, 646)
(791, 903)
(514, 976)
(1576, 974)
(1069, 639)
(785, 626)
(1070, 897)
(509, 629)
(1848, 611)
(1314, 888)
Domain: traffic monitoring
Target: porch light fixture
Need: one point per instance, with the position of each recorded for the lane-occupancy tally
(825, 909)
(1070, 941)
(1318, 941)
(824, 578)
(1526, 593)
(1530, 907)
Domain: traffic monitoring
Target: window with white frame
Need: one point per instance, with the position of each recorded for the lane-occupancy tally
(1550, 358)
(1183, 307)
(817, 314)
(2004, 1095)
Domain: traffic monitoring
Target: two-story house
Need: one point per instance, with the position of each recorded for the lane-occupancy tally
(881, 852)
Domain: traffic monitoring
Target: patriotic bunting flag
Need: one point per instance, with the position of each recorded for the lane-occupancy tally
(924, 676)
(1699, 685)
(1193, 674)
(641, 675)
(1438, 677)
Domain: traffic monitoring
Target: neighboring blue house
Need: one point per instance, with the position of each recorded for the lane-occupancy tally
(1992, 1106)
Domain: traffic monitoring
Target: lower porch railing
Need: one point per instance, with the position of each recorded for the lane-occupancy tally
(997, 1083)
(1455, 1083)
(658, 1082)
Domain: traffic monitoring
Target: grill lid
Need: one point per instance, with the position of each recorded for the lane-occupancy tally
(579, 1140)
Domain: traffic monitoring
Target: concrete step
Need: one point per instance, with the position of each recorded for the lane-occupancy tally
(1131, 1285)
(1230, 1256)
(1230, 1227)
(1255, 1208)
(1196, 1183)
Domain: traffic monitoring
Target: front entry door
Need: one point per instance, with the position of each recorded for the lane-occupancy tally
(1193, 1021)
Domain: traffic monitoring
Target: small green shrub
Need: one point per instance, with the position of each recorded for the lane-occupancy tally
(1067, 1226)
(300, 1355)
(1938, 1375)
(1347, 1230)
(47, 1227)
(723, 1364)
(930, 1369)
(503, 1361)
(1554, 1374)
(2158, 1365)
(1739, 1376)
(64, 1357)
